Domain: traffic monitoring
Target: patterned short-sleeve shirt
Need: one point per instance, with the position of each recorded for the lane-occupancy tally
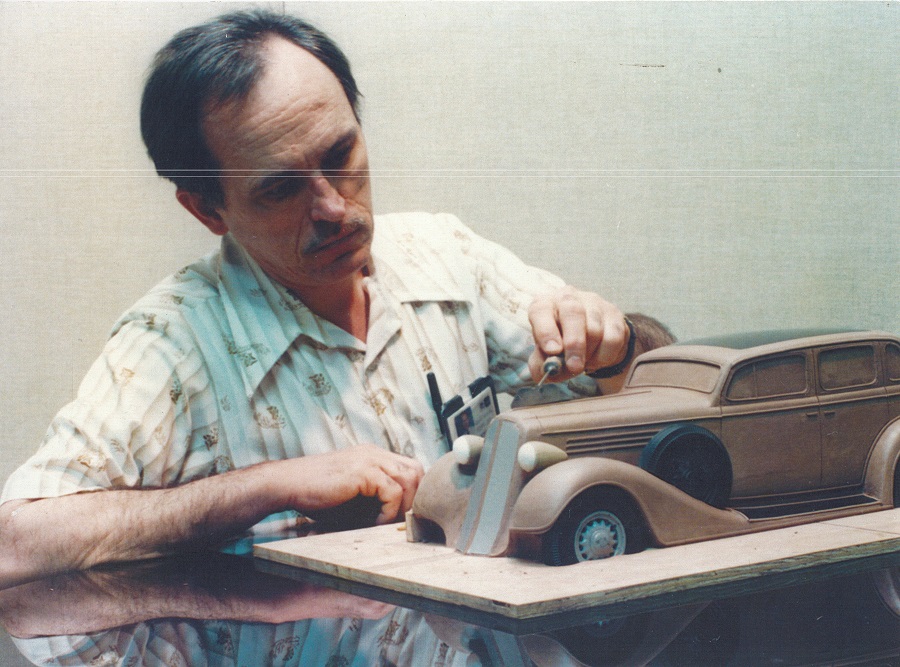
(220, 367)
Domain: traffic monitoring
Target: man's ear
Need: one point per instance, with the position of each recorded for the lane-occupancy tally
(200, 208)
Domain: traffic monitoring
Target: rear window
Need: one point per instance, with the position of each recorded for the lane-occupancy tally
(674, 373)
(892, 357)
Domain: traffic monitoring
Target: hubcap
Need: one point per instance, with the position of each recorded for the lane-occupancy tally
(599, 535)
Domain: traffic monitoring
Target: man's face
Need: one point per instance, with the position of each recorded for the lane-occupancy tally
(295, 172)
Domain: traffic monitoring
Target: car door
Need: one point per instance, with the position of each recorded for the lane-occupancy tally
(853, 408)
(770, 426)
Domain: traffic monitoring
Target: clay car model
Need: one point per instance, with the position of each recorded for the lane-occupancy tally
(710, 439)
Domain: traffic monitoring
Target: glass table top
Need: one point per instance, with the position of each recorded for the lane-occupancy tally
(213, 609)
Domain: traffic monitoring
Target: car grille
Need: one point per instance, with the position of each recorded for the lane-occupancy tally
(604, 442)
(498, 480)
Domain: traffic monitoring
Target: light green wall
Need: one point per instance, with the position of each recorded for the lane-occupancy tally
(723, 166)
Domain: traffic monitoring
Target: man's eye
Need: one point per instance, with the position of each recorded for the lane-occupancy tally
(336, 160)
(283, 189)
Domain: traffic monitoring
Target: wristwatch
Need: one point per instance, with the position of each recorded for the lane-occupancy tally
(612, 371)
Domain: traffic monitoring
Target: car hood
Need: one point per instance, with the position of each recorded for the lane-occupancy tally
(631, 407)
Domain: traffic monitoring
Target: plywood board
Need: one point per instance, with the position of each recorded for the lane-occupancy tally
(518, 589)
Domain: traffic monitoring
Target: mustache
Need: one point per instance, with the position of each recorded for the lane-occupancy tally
(325, 237)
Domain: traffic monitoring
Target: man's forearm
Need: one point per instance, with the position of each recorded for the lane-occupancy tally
(75, 532)
(78, 531)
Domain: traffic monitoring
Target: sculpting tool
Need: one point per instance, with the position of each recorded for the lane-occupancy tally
(551, 367)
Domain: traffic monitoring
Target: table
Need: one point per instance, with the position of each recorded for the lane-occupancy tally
(518, 595)
(212, 609)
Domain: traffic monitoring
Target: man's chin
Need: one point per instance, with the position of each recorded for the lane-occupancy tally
(346, 265)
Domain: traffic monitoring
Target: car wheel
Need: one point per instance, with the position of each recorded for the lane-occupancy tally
(691, 459)
(594, 526)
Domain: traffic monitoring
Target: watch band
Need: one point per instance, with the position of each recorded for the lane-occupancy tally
(612, 371)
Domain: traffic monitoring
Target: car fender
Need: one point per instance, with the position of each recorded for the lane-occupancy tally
(882, 464)
(442, 499)
(671, 516)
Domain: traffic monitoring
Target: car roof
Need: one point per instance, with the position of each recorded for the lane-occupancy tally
(742, 341)
(731, 348)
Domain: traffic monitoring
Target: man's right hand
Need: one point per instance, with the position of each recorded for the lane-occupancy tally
(323, 481)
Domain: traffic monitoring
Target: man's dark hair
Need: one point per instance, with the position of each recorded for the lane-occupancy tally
(209, 65)
(650, 332)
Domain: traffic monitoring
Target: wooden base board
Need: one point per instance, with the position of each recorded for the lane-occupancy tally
(521, 590)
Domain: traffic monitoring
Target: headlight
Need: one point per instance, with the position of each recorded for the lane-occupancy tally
(535, 455)
(467, 449)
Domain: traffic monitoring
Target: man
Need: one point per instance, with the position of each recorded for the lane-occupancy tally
(285, 374)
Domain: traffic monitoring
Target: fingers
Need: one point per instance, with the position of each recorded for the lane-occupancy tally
(544, 316)
(544, 319)
(324, 481)
(613, 342)
(396, 480)
(589, 330)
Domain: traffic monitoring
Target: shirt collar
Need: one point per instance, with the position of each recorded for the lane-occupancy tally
(409, 266)
(265, 318)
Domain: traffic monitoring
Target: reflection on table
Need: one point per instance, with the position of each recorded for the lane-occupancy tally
(221, 610)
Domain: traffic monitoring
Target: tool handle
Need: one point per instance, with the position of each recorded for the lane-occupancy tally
(552, 366)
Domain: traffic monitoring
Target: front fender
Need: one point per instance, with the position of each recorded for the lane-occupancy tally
(883, 461)
(671, 516)
(442, 499)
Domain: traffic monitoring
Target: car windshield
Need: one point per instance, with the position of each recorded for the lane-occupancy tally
(695, 375)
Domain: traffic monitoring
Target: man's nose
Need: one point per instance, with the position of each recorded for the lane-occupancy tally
(328, 204)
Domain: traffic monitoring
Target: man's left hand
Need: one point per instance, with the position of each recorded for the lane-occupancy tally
(590, 332)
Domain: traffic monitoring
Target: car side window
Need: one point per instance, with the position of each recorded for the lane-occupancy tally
(892, 362)
(768, 378)
(847, 367)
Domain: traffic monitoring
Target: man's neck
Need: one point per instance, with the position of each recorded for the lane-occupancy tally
(345, 304)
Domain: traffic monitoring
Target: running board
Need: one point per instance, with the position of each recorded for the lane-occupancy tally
(785, 507)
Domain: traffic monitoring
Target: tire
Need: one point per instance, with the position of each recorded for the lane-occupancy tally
(597, 524)
(691, 459)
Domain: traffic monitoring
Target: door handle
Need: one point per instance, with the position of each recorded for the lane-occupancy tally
(829, 413)
(812, 415)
